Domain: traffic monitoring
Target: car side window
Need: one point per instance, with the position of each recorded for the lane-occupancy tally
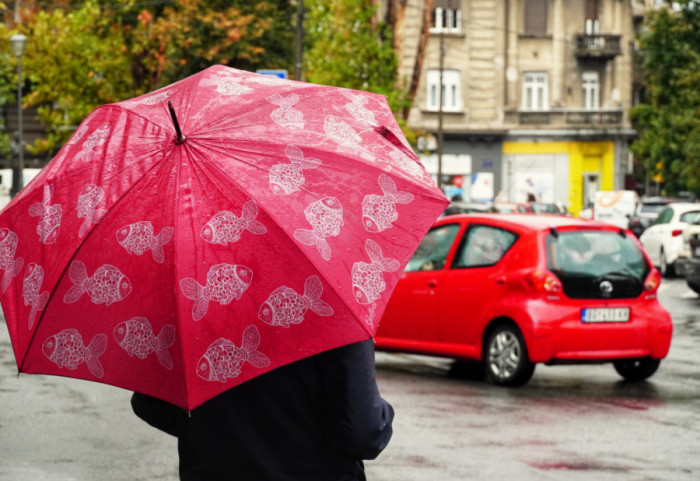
(432, 252)
(689, 217)
(482, 246)
(664, 216)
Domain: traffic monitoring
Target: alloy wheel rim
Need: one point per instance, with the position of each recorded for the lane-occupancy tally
(504, 355)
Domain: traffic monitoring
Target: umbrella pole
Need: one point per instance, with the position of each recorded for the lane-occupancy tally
(180, 138)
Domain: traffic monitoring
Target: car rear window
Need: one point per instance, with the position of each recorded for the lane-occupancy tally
(583, 258)
(653, 208)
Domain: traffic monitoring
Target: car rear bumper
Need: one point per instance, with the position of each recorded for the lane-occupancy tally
(568, 339)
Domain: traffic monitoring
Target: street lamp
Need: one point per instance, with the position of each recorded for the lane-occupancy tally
(18, 43)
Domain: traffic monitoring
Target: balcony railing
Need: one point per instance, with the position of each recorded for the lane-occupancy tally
(567, 118)
(597, 46)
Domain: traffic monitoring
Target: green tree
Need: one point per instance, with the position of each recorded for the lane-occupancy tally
(8, 88)
(75, 62)
(347, 46)
(668, 119)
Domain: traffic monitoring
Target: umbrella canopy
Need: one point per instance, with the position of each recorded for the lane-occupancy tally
(181, 251)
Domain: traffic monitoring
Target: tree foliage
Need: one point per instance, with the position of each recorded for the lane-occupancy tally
(668, 119)
(349, 47)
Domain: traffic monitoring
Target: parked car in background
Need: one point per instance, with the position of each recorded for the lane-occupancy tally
(544, 208)
(662, 239)
(459, 207)
(515, 290)
(512, 207)
(690, 252)
(647, 212)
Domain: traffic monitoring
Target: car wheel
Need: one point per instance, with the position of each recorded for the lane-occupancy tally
(665, 268)
(505, 357)
(636, 369)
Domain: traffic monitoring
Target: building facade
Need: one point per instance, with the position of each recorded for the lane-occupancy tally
(535, 94)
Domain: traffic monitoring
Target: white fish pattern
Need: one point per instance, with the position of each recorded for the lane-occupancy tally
(231, 86)
(286, 115)
(31, 291)
(50, 217)
(357, 108)
(345, 136)
(96, 139)
(136, 337)
(379, 211)
(106, 286)
(286, 179)
(326, 218)
(67, 349)
(91, 196)
(368, 279)
(285, 306)
(410, 166)
(225, 282)
(138, 238)
(224, 360)
(8, 263)
(75, 138)
(157, 97)
(225, 226)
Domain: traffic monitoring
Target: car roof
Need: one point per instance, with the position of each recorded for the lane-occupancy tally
(530, 221)
(684, 206)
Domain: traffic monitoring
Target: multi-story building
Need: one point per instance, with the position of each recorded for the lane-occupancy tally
(535, 94)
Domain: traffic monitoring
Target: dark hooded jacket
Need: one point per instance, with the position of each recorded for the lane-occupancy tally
(315, 419)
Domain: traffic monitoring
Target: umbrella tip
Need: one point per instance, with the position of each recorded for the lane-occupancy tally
(180, 139)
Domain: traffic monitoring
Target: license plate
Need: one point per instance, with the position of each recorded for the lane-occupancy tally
(606, 314)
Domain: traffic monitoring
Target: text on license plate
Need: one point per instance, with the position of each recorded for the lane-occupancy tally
(606, 314)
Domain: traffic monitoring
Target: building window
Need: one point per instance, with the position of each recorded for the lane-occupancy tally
(592, 23)
(451, 88)
(447, 18)
(535, 92)
(591, 90)
(535, 17)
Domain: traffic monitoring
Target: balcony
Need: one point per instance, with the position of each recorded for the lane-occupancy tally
(597, 46)
(567, 118)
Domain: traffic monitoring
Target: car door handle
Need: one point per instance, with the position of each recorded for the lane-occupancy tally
(501, 281)
(432, 283)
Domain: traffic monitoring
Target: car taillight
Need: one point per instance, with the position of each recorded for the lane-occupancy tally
(676, 232)
(545, 281)
(653, 281)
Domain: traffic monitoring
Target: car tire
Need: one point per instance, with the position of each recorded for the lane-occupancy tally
(506, 360)
(636, 369)
(665, 268)
(694, 287)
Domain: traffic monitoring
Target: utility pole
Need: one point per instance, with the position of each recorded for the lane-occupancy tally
(299, 40)
(441, 88)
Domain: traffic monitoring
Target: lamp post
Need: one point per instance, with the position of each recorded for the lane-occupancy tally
(18, 43)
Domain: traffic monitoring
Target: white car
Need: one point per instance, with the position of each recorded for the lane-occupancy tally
(663, 239)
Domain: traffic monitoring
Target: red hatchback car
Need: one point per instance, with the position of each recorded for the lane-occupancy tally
(516, 290)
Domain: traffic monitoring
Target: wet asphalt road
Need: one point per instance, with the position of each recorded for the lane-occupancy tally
(568, 423)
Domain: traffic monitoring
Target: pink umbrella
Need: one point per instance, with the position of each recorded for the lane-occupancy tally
(180, 262)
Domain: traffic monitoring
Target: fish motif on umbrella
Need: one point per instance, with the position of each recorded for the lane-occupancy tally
(357, 108)
(75, 138)
(368, 279)
(326, 219)
(286, 306)
(225, 226)
(136, 337)
(50, 217)
(95, 139)
(379, 211)
(31, 291)
(346, 137)
(138, 238)
(225, 282)
(224, 360)
(91, 196)
(286, 115)
(8, 263)
(286, 179)
(67, 349)
(106, 286)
